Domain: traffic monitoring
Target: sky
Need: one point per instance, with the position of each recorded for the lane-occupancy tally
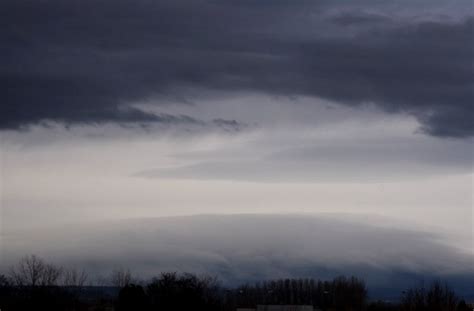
(210, 130)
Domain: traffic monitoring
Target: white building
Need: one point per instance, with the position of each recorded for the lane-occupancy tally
(279, 308)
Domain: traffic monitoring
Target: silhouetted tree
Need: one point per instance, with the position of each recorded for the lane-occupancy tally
(183, 292)
(34, 271)
(341, 293)
(121, 277)
(74, 278)
(34, 286)
(348, 294)
(437, 297)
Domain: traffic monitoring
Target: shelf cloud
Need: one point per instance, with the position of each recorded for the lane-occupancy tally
(241, 248)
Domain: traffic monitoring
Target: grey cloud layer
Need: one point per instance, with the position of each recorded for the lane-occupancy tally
(85, 61)
(387, 160)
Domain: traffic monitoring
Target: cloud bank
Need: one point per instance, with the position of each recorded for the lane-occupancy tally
(241, 248)
(86, 62)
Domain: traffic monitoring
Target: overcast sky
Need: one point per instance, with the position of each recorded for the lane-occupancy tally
(116, 110)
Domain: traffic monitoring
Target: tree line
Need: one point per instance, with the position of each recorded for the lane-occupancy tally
(341, 293)
(33, 284)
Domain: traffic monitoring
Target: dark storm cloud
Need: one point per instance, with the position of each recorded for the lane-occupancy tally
(358, 18)
(85, 61)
